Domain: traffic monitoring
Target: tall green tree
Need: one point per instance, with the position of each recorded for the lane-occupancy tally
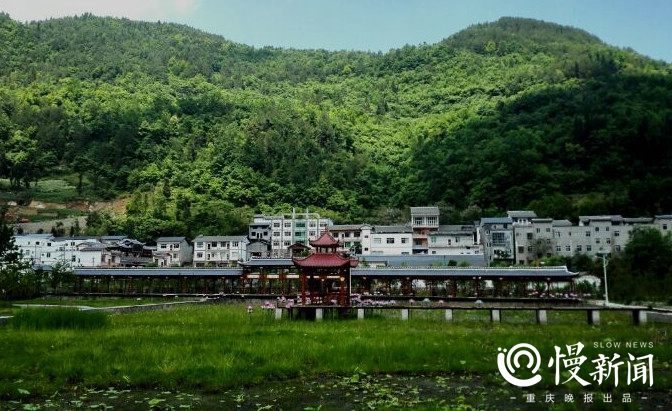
(17, 279)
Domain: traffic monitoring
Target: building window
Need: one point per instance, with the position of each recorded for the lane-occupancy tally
(579, 248)
(276, 244)
(521, 250)
(548, 229)
(176, 246)
(405, 240)
(199, 244)
(73, 259)
(499, 238)
(587, 233)
(376, 240)
(664, 226)
(538, 230)
(276, 233)
(617, 233)
(288, 224)
(390, 240)
(530, 236)
(199, 255)
(276, 225)
(597, 241)
(288, 233)
(163, 246)
(301, 225)
(431, 221)
(418, 221)
(589, 248)
(568, 248)
(558, 249)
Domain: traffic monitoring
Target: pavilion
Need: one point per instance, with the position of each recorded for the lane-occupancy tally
(325, 274)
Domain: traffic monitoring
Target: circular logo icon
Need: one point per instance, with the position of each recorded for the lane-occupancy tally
(507, 359)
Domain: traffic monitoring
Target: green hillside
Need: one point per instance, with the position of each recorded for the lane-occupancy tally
(203, 132)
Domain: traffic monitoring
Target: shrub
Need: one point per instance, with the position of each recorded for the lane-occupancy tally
(50, 319)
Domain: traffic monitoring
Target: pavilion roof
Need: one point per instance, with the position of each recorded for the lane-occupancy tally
(325, 260)
(325, 240)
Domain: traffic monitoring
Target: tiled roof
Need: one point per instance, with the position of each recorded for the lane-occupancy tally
(496, 220)
(392, 229)
(324, 260)
(424, 211)
(349, 227)
(490, 273)
(269, 262)
(521, 214)
(325, 240)
(562, 223)
(170, 239)
(209, 238)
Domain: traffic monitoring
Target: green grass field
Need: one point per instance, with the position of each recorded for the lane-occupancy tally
(47, 190)
(202, 357)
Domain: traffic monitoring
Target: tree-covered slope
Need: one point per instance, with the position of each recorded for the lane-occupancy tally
(202, 132)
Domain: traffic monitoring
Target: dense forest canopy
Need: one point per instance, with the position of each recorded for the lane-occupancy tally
(202, 132)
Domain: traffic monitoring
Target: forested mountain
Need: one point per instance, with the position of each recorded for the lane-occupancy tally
(203, 132)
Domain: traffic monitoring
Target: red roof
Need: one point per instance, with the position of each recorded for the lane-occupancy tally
(325, 240)
(324, 260)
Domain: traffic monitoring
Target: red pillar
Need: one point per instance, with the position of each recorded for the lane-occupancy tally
(303, 289)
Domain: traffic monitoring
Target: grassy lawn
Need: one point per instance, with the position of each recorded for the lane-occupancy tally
(218, 356)
(47, 190)
(102, 302)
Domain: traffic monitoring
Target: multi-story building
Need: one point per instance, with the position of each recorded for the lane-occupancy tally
(387, 240)
(537, 238)
(496, 236)
(453, 240)
(521, 217)
(424, 220)
(285, 230)
(663, 223)
(45, 249)
(172, 251)
(349, 236)
(533, 239)
(219, 251)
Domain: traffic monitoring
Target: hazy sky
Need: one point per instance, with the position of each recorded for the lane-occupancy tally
(374, 25)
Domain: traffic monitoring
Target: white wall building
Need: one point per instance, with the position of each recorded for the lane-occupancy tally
(387, 240)
(172, 251)
(453, 240)
(45, 249)
(219, 251)
(285, 230)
